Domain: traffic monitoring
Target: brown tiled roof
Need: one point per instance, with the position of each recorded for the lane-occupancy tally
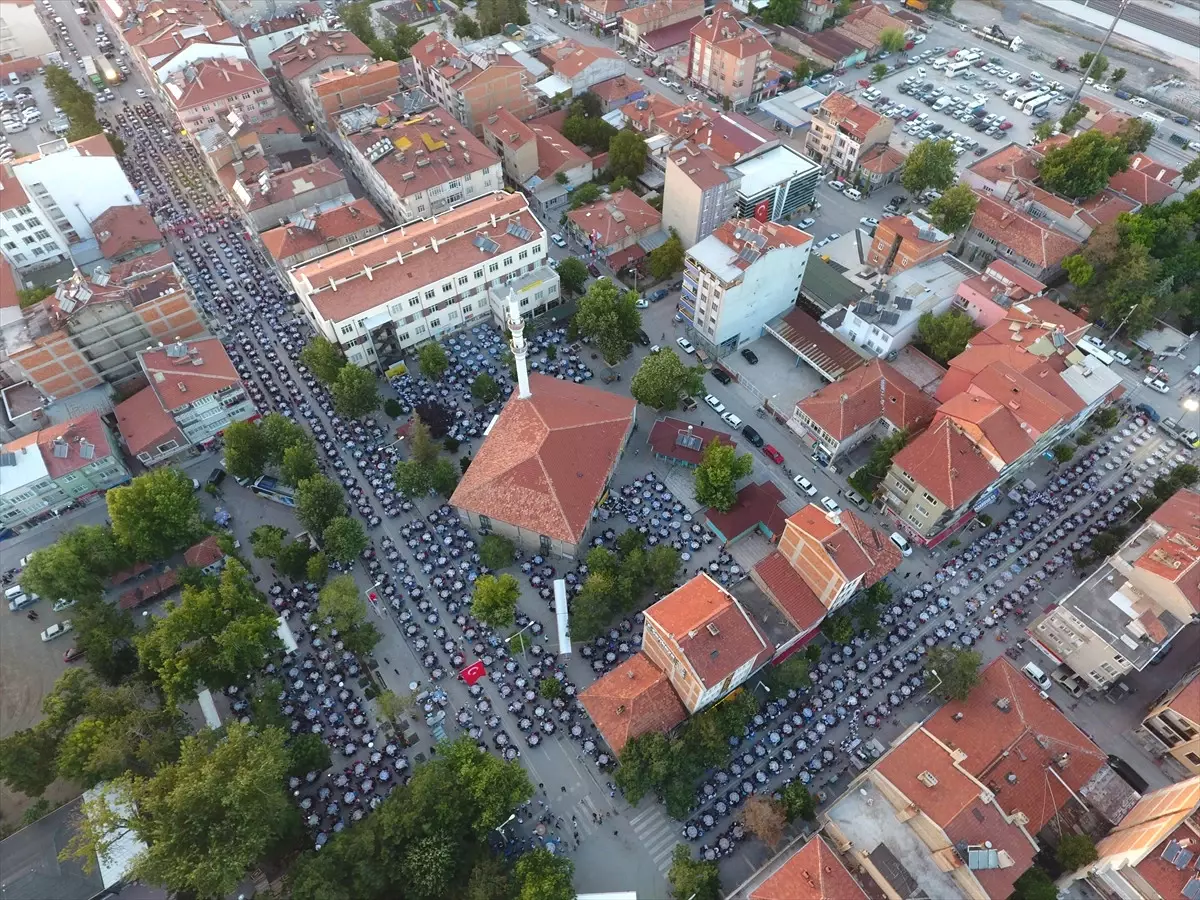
(757, 504)
(814, 872)
(945, 462)
(215, 79)
(1010, 163)
(1035, 407)
(702, 166)
(286, 185)
(725, 30)
(1105, 207)
(789, 591)
(205, 369)
(808, 336)
(604, 7)
(1008, 272)
(508, 129)
(1026, 740)
(1168, 879)
(736, 233)
(832, 44)
(733, 135)
(569, 57)
(144, 424)
(617, 88)
(555, 153)
(982, 822)
(9, 285)
(150, 589)
(1181, 512)
(711, 628)
(1146, 180)
(1158, 813)
(670, 35)
(640, 15)
(663, 439)
(547, 459)
(882, 159)
(986, 420)
(1110, 122)
(309, 51)
(288, 240)
(1034, 240)
(120, 229)
(633, 699)
(204, 554)
(12, 194)
(636, 217)
(919, 753)
(644, 113)
(864, 395)
(880, 554)
(72, 434)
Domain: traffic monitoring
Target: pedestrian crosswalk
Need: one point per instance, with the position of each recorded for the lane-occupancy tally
(583, 811)
(658, 834)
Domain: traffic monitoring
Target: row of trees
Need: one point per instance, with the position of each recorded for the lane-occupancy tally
(79, 105)
(618, 582)
(352, 387)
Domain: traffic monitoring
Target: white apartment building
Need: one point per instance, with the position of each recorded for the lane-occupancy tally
(22, 33)
(49, 199)
(739, 278)
(381, 297)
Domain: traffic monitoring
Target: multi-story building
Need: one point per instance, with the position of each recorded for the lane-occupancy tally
(383, 296)
(329, 93)
(178, 45)
(265, 36)
(70, 463)
(1031, 244)
(472, 88)
(539, 160)
(614, 227)
(822, 561)
(640, 21)
(306, 58)
(216, 88)
(739, 278)
(700, 191)
(842, 129)
(1134, 605)
(777, 184)
(582, 65)
(728, 59)
(50, 199)
(701, 636)
(124, 233)
(874, 400)
(1172, 724)
(314, 233)
(262, 198)
(605, 14)
(419, 166)
(22, 32)
(901, 242)
(89, 331)
(194, 394)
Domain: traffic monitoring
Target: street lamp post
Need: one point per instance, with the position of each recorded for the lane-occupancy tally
(1132, 309)
(509, 639)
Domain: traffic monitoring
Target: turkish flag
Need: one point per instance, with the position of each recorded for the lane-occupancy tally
(473, 672)
(762, 212)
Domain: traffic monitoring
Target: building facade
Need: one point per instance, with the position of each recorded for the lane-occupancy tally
(22, 33)
(219, 88)
(1172, 724)
(727, 59)
(842, 130)
(471, 89)
(700, 192)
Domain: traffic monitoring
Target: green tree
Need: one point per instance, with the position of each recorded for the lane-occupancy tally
(1191, 171)
(892, 40)
(344, 539)
(878, 71)
(466, 27)
(693, 879)
(1073, 116)
(765, 818)
(98, 547)
(434, 361)
(781, 12)
(1117, 76)
(267, 540)
(588, 104)
(1064, 452)
(489, 880)
(316, 568)
(542, 875)
(1043, 131)
(413, 479)
(392, 407)
(627, 153)
(403, 38)
(867, 479)
(58, 572)
(27, 759)
(318, 502)
(496, 552)
(1034, 884)
(28, 297)
(444, 477)
(584, 194)
(798, 803)
(279, 432)
(573, 273)
(790, 674)
(550, 688)
(323, 358)
(308, 753)
(1108, 417)
(1135, 134)
(355, 393)
(1079, 270)
(718, 474)
(156, 514)
(421, 446)
(1082, 166)
(957, 670)
(484, 388)
(929, 165)
(246, 451)
(204, 820)
(293, 560)
(1093, 65)
(838, 628)
(299, 463)
(212, 638)
(342, 601)
(495, 600)
(945, 336)
(803, 71)
(608, 316)
(667, 258)
(953, 211)
(663, 379)
(104, 632)
(393, 706)
(662, 567)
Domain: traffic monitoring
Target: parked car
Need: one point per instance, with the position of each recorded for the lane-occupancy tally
(732, 420)
(657, 295)
(1157, 384)
(772, 454)
(594, 270)
(750, 356)
(721, 375)
(805, 485)
(559, 240)
(641, 303)
(806, 223)
(830, 505)
(714, 402)
(752, 436)
(73, 654)
(643, 338)
(1148, 411)
(685, 345)
(58, 629)
(904, 546)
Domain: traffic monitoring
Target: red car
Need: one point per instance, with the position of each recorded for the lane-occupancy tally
(649, 71)
(1004, 126)
(73, 654)
(594, 269)
(772, 454)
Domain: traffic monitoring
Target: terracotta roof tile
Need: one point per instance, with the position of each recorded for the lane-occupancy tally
(555, 153)
(616, 218)
(987, 421)
(203, 369)
(215, 79)
(1011, 162)
(1036, 408)
(757, 504)
(945, 462)
(69, 438)
(882, 159)
(569, 57)
(633, 699)
(309, 51)
(725, 30)
(548, 457)
(712, 629)
(669, 35)
(789, 591)
(1167, 879)
(651, 12)
(865, 395)
(664, 439)
(814, 872)
(1146, 180)
(1158, 813)
(12, 194)
(879, 554)
(204, 554)
(144, 424)
(644, 113)
(288, 240)
(1181, 512)
(982, 822)
(920, 752)
(1034, 240)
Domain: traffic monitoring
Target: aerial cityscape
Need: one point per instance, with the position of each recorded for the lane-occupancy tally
(600, 449)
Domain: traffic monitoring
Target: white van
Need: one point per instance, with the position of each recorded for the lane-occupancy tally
(1138, 101)
(1013, 77)
(1037, 676)
(852, 193)
(14, 78)
(1008, 95)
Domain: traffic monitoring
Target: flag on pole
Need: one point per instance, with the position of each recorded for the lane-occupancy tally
(473, 672)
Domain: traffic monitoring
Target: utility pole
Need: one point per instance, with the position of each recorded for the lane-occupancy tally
(1121, 7)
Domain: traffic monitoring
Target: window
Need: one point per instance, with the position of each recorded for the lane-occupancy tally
(462, 280)
(447, 287)
(42, 235)
(348, 329)
(485, 524)
(477, 274)
(508, 260)
(494, 267)
(167, 447)
(18, 227)
(435, 323)
(524, 254)
(1192, 758)
(415, 301)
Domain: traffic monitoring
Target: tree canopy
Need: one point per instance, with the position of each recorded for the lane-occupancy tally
(1093, 65)
(573, 273)
(355, 392)
(627, 153)
(608, 316)
(718, 474)
(953, 211)
(892, 40)
(585, 193)
(944, 336)
(344, 539)
(342, 601)
(663, 379)
(323, 358)
(434, 361)
(1082, 166)
(318, 502)
(156, 514)
(667, 258)
(495, 600)
(957, 669)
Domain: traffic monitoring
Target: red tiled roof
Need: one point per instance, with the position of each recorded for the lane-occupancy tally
(508, 129)
(120, 229)
(1167, 879)
(736, 233)
(643, 112)
(619, 88)
(204, 554)
(1181, 512)
(214, 79)
(1026, 740)
(664, 439)
(669, 35)
(633, 699)
(569, 57)
(789, 591)
(920, 753)
(1159, 812)
(548, 457)
(204, 369)
(150, 589)
(641, 15)
(636, 217)
(1012, 162)
(757, 504)
(288, 240)
(1025, 393)
(144, 424)
(12, 194)
(733, 135)
(309, 51)
(555, 153)
(701, 165)
(986, 420)
(710, 627)
(1105, 207)
(1006, 271)
(881, 555)
(1034, 240)
(725, 30)
(982, 822)
(865, 395)
(1146, 180)
(814, 872)
(945, 462)
(1110, 122)
(9, 285)
(882, 159)
(69, 438)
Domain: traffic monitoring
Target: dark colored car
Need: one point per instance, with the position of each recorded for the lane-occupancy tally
(73, 654)
(721, 375)
(657, 295)
(1149, 411)
(752, 436)
(749, 356)
(772, 454)
(899, 199)
(216, 476)
(643, 338)
(594, 269)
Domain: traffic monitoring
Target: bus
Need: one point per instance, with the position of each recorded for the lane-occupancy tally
(1024, 98)
(89, 69)
(273, 489)
(1095, 352)
(108, 70)
(1037, 104)
(958, 67)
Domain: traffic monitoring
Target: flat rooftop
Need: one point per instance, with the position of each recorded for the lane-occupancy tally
(773, 167)
(767, 616)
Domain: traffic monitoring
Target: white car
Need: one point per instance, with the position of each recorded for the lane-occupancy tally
(898, 539)
(805, 485)
(830, 505)
(641, 304)
(693, 98)
(558, 240)
(1157, 384)
(141, 93)
(63, 603)
(731, 420)
(58, 629)
(806, 223)
(837, 185)
(1095, 341)
(685, 345)
(714, 403)
(1122, 358)
(664, 81)
(869, 222)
